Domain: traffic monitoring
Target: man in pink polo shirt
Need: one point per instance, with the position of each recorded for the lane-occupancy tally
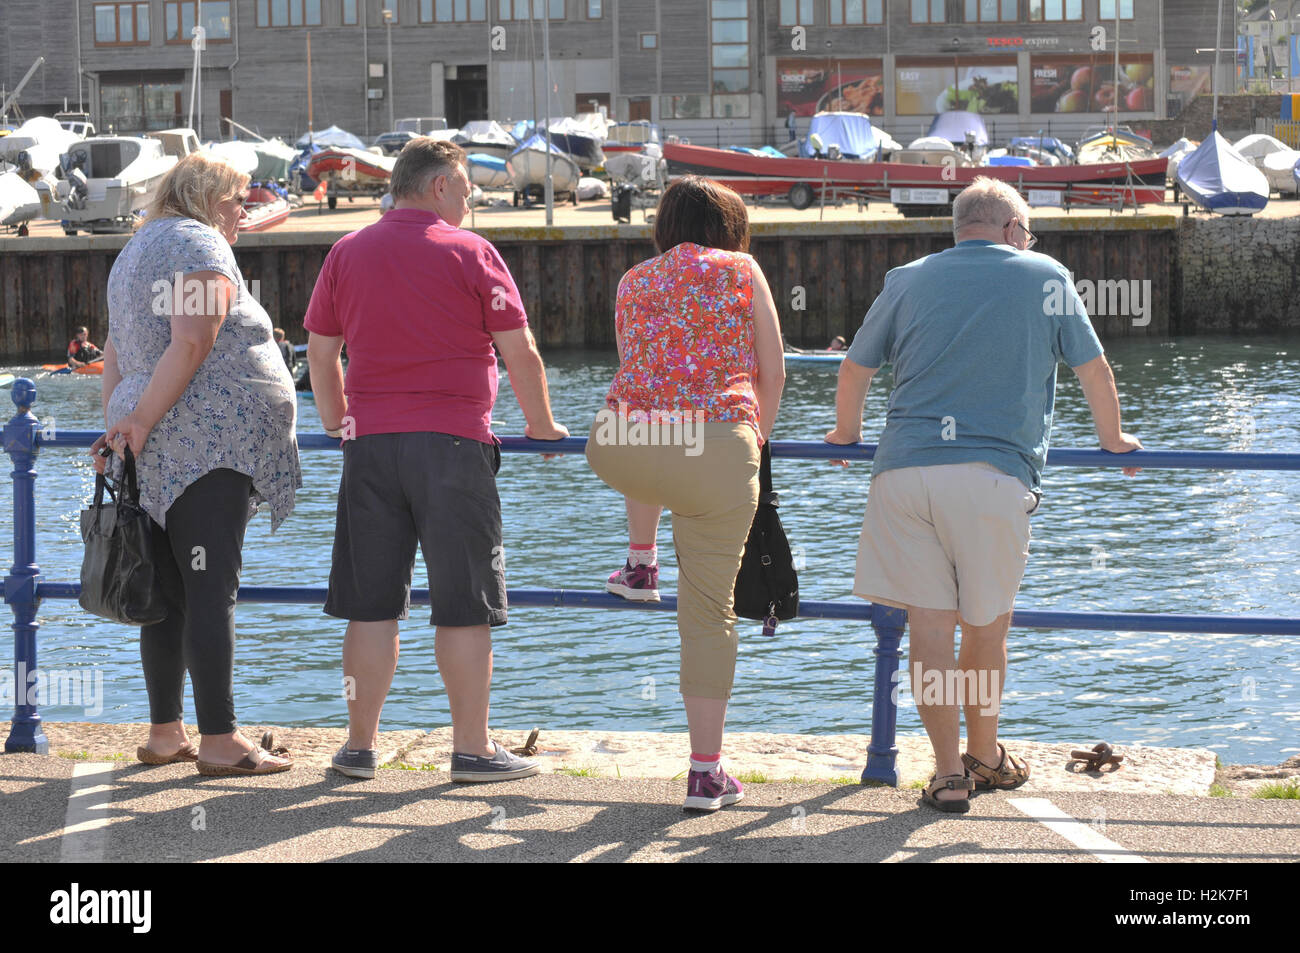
(419, 304)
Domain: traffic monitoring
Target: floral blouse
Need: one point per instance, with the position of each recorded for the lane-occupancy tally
(239, 409)
(685, 325)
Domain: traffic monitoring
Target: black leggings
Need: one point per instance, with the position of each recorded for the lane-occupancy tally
(200, 556)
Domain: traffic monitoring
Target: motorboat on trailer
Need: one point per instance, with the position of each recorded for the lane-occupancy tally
(350, 172)
(639, 169)
(1113, 144)
(106, 180)
(35, 147)
(955, 138)
(488, 171)
(912, 187)
(274, 156)
(265, 207)
(1272, 157)
(1221, 180)
(842, 135)
(640, 135)
(527, 168)
(574, 138)
(19, 201)
(486, 137)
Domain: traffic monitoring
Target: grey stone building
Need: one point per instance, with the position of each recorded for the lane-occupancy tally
(718, 71)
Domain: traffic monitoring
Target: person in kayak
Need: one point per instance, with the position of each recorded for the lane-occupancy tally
(81, 352)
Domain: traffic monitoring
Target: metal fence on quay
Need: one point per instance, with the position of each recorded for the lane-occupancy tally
(24, 588)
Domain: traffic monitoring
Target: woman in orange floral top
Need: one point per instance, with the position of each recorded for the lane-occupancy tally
(697, 390)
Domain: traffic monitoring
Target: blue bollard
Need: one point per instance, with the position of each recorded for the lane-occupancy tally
(25, 734)
(882, 752)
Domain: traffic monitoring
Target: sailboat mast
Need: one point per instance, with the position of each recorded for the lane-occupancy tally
(1218, 42)
(550, 158)
(1115, 105)
(309, 110)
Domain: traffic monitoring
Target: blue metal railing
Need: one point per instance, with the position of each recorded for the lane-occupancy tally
(23, 588)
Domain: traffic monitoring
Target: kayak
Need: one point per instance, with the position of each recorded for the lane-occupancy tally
(94, 367)
(6, 380)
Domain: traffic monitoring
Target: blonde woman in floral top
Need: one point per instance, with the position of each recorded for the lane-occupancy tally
(699, 383)
(195, 385)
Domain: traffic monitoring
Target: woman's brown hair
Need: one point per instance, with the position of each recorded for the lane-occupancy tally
(698, 210)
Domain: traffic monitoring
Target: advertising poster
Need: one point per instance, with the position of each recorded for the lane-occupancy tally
(1188, 82)
(981, 86)
(1081, 84)
(808, 85)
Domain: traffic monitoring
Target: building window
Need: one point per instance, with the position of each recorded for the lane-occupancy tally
(285, 12)
(554, 9)
(991, 11)
(692, 106)
(178, 20)
(729, 56)
(595, 9)
(349, 12)
(648, 41)
(857, 11)
(1040, 10)
(121, 24)
(927, 11)
(793, 12)
(1106, 10)
(452, 11)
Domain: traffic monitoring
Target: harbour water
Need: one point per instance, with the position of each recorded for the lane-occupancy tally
(1167, 541)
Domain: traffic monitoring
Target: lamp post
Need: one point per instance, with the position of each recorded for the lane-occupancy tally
(388, 25)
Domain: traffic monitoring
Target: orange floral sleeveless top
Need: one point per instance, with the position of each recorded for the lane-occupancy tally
(685, 325)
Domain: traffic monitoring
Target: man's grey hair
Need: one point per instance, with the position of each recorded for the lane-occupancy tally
(420, 162)
(986, 201)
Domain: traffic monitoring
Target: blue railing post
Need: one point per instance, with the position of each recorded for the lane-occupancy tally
(25, 734)
(882, 752)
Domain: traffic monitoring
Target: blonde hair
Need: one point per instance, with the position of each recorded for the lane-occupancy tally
(193, 186)
(987, 201)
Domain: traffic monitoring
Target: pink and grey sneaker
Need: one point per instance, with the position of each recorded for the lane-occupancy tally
(635, 583)
(710, 790)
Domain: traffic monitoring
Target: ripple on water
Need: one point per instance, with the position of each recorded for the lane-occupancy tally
(1168, 541)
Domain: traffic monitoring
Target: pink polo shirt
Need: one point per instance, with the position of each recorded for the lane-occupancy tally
(416, 299)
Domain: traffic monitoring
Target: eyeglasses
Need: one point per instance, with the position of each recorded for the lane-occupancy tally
(1028, 234)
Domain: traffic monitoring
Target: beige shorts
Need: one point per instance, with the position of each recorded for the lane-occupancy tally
(950, 537)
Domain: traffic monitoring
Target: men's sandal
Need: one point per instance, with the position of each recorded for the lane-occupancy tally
(1010, 773)
(187, 753)
(949, 782)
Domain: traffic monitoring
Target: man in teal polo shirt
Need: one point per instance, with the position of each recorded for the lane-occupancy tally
(974, 335)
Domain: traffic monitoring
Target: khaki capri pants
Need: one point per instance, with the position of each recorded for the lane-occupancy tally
(712, 496)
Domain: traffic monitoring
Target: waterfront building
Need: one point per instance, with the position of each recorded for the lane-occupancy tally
(717, 71)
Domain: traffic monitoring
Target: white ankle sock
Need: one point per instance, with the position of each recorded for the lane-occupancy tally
(643, 557)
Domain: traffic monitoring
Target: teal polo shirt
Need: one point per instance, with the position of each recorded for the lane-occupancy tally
(974, 335)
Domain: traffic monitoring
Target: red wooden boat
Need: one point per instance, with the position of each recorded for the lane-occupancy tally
(916, 187)
(263, 209)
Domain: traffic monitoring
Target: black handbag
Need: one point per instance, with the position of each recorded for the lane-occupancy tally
(119, 578)
(767, 586)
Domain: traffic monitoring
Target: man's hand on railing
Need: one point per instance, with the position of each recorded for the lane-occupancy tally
(1124, 443)
(842, 440)
(551, 431)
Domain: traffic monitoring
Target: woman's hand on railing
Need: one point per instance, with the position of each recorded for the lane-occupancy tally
(843, 440)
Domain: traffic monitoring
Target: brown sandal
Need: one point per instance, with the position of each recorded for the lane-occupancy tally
(187, 754)
(949, 782)
(251, 763)
(1010, 773)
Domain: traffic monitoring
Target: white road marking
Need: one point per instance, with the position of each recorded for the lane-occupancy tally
(1077, 833)
(85, 826)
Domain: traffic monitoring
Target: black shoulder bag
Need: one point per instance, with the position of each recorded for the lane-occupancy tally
(119, 580)
(767, 586)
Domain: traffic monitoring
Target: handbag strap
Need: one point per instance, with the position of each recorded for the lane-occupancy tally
(765, 469)
(130, 487)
